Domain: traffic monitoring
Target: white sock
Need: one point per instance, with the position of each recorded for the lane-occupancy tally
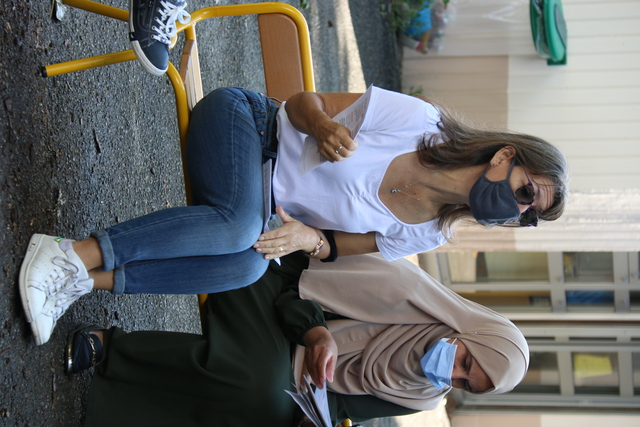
(66, 246)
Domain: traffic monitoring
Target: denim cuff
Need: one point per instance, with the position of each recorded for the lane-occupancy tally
(118, 281)
(108, 259)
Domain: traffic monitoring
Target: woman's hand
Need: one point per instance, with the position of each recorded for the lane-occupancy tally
(334, 141)
(292, 236)
(311, 113)
(321, 355)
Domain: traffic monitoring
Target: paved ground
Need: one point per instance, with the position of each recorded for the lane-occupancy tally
(87, 150)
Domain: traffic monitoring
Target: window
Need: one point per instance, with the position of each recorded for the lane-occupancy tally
(595, 373)
(636, 373)
(502, 269)
(543, 376)
(589, 298)
(512, 266)
(511, 299)
(581, 267)
(581, 282)
(590, 354)
(635, 299)
(483, 267)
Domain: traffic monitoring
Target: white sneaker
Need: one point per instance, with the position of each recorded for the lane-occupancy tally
(42, 327)
(52, 276)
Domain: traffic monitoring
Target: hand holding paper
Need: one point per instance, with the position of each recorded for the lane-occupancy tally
(314, 404)
(334, 142)
(351, 118)
(321, 355)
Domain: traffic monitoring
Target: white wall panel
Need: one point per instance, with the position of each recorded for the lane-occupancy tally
(600, 10)
(618, 61)
(606, 166)
(572, 131)
(622, 26)
(576, 114)
(587, 96)
(591, 180)
(589, 108)
(582, 148)
(576, 79)
(603, 45)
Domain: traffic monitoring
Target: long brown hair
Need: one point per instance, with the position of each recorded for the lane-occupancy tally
(463, 145)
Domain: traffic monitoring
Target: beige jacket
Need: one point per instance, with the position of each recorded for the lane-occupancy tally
(396, 311)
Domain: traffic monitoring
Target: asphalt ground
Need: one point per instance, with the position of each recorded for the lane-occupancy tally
(83, 151)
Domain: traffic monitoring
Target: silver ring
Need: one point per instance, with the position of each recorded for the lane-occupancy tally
(337, 150)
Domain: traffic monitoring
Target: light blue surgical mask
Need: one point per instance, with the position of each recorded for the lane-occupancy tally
(437, 364)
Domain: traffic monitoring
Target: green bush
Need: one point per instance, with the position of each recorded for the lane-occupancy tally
(402, 12)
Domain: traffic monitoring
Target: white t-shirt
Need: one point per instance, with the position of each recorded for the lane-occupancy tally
(344, 195)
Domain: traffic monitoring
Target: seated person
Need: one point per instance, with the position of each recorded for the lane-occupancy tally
(384, 338)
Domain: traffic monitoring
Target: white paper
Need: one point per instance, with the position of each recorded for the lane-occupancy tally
(314, 404)
(351, 117)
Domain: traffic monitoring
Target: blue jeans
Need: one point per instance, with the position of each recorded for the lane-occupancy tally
(207, 247)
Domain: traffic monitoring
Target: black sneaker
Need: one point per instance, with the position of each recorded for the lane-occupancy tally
(152, 24)
(84, 349)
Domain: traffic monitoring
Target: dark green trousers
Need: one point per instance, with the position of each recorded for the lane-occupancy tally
(234, 376)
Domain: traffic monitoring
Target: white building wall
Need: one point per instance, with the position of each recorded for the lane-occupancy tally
(589, 108)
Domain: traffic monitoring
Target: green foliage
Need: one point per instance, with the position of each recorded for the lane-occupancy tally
(304, 4)
(401, 12)
(416, 90)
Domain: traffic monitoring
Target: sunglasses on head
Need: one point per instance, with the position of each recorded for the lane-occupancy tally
(525, 195)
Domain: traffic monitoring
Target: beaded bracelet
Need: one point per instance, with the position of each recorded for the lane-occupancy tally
(317, 249)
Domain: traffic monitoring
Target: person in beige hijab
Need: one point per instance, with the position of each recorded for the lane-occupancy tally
(363, 326)
(397, 312)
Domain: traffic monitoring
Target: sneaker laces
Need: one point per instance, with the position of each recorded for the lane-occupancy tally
(65, 289)
(167, 21)
(60, 277)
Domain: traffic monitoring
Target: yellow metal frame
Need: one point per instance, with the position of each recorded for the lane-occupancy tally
(190, 33)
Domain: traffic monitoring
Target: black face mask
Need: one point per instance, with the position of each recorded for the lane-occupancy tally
(493, 202)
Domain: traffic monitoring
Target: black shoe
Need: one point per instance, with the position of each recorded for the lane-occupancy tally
(84, 349)
(152, 24)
